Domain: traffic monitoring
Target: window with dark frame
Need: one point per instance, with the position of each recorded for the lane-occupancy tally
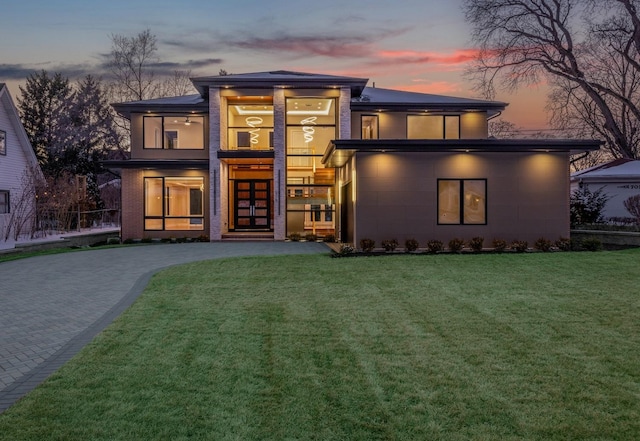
(433, 126)
(462, 201)
(173, 203)
(4, 202)
(3, 142)
(168, 132)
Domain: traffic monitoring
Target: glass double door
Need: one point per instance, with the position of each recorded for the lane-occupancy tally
(252, 207)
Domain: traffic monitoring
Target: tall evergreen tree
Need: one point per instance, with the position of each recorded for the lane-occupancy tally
(43, 100)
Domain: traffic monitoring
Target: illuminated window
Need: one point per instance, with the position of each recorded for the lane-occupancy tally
(174, 204)
(369, 125)
(433, 127)
(173, 132)
(3, 142)
(462, 201)
(250, 126)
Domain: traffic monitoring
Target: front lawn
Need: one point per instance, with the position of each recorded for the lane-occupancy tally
(447, 347)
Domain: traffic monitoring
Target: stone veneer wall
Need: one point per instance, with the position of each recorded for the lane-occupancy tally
(279, 165)
(215, 180)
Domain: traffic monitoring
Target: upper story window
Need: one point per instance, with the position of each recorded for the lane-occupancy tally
(369, 125)
(250, 126)
(3, 142)
(174, 132)
(433, 127)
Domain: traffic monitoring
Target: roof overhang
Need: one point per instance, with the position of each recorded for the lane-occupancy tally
(160, 164)
(279, 79)
(341, 150)
(196, 107)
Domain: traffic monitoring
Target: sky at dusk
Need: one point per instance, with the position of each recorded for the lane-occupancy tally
(414, 45)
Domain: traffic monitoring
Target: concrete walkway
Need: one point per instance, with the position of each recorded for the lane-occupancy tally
(52, 306)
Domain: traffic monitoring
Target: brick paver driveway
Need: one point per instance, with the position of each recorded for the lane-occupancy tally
(51, 306)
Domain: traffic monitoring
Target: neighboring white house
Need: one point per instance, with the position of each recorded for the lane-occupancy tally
(619, 180)
(17, 159)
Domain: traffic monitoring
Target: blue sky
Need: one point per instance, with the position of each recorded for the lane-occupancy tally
(417, 45)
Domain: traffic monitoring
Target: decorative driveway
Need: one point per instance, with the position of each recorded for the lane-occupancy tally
(51, 306)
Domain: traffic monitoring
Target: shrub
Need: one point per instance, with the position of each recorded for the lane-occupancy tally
(499, 245)
(435, 246)
(456, 245)
(146, 240)
(113, 240)
(542, 244)
(346, 249)
(128, 241)
(295, 237)
(476, 243)
(390, 245)
(586, 206)
(564, 244)
(310, 237)
(519, 246)
(591, 244)
(202, 238)
(367, 245)
(329, 238)
(632, 204)
(411, 245)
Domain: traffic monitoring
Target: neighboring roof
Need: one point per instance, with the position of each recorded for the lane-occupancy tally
(373, 98)
(281, 78)
(340, 150)
(14, 117)
(615, 170)
(186, 103)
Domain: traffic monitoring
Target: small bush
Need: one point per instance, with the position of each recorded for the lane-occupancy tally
(390, 245)
(181, 240)
(411, 245)
(329, 238)
(146, 240)
(295, 237)
(434, 246)
(202, 238)
(499, 245)
(128, 241)
(346, 249)
(367, 245)
(564, 244)
(542, 244)
(519, 246)
(310, 237)
(456, 245)
(113, 240)
(591, 244)
(476, 244)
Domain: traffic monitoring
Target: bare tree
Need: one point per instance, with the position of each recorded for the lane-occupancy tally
(502, 129)
(131, 64)
(22, 219)
(592, 66)
(178, 84)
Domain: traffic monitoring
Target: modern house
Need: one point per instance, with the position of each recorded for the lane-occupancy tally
(18, 167)
(619, 179)
(276, 153)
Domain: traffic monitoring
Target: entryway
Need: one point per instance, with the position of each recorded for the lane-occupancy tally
(252, 205)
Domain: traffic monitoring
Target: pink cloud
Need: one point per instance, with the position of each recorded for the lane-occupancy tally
(459, 56)
(435, 87)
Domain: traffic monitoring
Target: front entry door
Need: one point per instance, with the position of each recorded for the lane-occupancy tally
(252, 209)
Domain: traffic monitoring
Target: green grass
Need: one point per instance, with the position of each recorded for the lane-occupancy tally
(449, 347)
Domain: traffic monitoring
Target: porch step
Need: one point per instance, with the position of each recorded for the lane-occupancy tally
(248, 236)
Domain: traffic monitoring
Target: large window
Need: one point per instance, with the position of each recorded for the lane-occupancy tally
(4, 202)
(462, 201)
(3, 142)
(433, 126)
(174, 132)
(174, 204)
(250, 126)
(311, 126)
